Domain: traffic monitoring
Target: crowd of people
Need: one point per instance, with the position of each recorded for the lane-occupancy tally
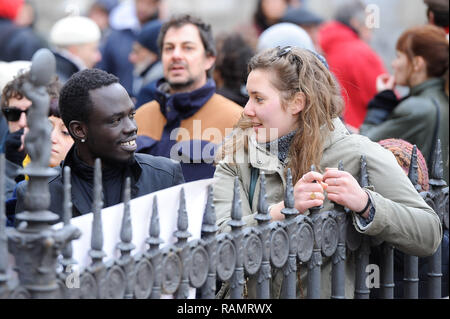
(160, 100)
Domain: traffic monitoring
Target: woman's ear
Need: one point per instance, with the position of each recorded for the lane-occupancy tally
(77, 130)
(298, 103)
(419, 63)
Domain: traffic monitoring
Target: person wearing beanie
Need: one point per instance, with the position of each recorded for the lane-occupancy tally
(145, 56)
(76, 45)
(307, 20)
(284, 34)
(16, 43)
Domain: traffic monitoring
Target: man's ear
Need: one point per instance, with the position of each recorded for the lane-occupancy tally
(78, 130)
(298, 103)
(210, 60)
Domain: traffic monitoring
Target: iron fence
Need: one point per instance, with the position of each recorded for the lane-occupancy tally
(228, 257)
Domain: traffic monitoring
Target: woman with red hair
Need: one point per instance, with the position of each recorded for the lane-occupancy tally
(422, 116)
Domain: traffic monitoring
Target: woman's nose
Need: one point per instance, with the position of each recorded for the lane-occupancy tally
(248, 109)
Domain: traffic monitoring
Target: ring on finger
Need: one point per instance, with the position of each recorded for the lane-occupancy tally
(335, 181)
(312, 196)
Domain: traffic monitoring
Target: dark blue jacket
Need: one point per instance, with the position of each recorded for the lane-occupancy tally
(17, 43)
(148, 174)
(115, 57)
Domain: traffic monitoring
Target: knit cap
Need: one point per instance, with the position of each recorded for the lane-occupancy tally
(402, 151)
(148, 37)
(284, 34)
(74, 30)
(301, 16)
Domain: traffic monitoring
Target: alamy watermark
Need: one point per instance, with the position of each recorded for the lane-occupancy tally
(73, 279)
(373, 277)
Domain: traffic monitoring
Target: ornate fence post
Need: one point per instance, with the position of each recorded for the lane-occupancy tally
(339, 257)
(182, 235)
(93, 282)
(69, 280)
(126, 261)
(314, 266)
(154, 254)
(411, 263)
(387, 271)
(209, 230)
(440, 201)
(263, 218)
(362, 254)
(34, 244)
(3, 238)
(288, 290)
(237, 279)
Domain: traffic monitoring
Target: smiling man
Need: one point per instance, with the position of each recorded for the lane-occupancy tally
(187, 119)
(100, 117)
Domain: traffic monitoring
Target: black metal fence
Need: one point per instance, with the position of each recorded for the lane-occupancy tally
(228, 257)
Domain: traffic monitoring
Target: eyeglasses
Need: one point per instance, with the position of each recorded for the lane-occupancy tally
(13, 114)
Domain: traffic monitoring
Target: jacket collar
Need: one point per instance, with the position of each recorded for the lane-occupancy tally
(435, 83)
(260, 158)
(135, 168)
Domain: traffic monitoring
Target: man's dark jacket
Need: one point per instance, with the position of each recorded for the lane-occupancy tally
(17, 43)
(149, 174)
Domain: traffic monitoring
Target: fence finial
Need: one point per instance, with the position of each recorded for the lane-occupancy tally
(413, 169)
(209, 215)
(363, 176)
(437, 170)
(236, 209)
(182, 233)
(126, 229)
(67, 216)
(289, 209)
(96, 251)
(263, 209)
(315, 209)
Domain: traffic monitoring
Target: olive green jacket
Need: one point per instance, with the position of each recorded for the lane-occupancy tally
(402, 217)
(414, 120)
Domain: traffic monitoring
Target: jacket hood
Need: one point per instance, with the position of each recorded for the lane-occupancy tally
(334, 33)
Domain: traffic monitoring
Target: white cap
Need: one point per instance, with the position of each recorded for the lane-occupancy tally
(74, 30)
(8, 70)
(284, 34)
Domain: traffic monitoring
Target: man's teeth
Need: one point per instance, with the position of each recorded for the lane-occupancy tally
(130, 143)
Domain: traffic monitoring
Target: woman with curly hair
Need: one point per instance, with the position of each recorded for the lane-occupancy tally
(292, 121)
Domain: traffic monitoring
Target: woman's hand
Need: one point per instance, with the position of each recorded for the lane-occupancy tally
(344, 189)
(308, 191)
(385, 82)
